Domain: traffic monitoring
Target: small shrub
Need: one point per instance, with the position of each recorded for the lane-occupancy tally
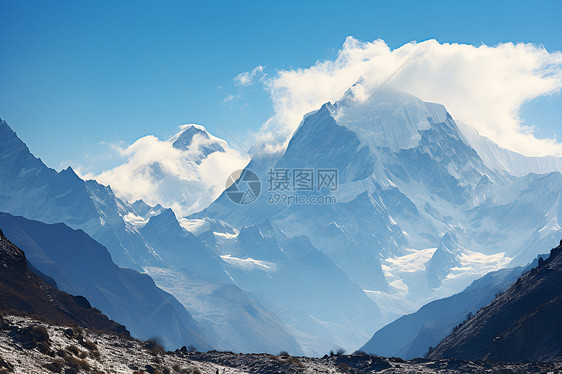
(359, 353)
(32, 335)
(45, 348)
(5, 365)
(192, 348)
(89, 345)
(69, 332)
(283, 353)
(41, 333)
(295, 362)
(73, 349)
(55, 366)
(340, 352)
(154, 346)
(76, 363)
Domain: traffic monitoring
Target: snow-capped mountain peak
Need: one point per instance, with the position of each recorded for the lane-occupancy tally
(196, 139)
(389, 118)
(398, 156)
(185, 172)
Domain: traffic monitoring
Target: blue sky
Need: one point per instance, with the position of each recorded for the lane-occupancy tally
(76, 75)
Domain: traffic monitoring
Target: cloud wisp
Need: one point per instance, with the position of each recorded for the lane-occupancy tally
(249, 77)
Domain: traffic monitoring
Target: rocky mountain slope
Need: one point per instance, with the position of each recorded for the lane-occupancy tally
(522, 324)
(201, 280)
(83, 351)
(76, 350)
(24, 292)
(82, 266)
(412, 335)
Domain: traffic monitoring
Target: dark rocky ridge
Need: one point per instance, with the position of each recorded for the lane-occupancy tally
(80, 265)
(522, 324)
(24, 292)
(411, 335)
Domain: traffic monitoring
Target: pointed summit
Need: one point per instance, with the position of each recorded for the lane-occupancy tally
(195, 137)
(387, 118)
(184, 138)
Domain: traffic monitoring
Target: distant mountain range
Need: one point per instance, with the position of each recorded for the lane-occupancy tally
(27, 184)
(81, 266)
(416, 211)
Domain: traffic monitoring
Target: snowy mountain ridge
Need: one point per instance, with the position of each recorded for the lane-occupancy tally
(197, 140)
(514, 163)
(390, 119)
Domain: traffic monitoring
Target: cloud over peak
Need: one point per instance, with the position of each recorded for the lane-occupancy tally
(482, 86)
(186, 178)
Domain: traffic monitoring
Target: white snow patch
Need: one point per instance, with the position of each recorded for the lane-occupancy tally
(226, 235)
(249, 263)
(135, 220)
(194, 226)
(409, 263)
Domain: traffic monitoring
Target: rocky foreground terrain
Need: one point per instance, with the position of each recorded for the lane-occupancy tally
(31, 346)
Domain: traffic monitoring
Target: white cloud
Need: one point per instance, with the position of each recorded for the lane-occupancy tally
(228, 98)
(158, 173)
(249, 77)
(482, 87)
